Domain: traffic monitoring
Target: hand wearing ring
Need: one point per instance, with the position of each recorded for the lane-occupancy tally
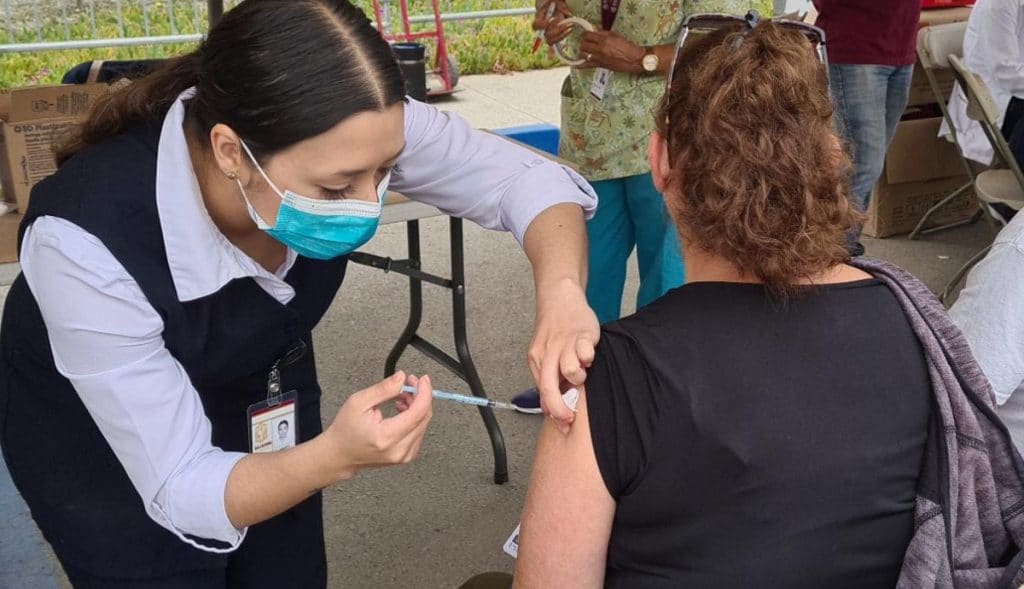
(610, 50)
(562, 52)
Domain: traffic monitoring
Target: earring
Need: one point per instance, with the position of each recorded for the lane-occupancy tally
(232, 176)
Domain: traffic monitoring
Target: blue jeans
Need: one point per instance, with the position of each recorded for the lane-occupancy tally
(869, 102)
(630, 213)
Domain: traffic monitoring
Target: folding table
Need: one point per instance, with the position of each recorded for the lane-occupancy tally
(398, 209)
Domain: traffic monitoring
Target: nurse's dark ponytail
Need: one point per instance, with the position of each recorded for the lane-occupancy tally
(276, 71)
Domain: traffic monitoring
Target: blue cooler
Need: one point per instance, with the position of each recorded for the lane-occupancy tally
(543, 137)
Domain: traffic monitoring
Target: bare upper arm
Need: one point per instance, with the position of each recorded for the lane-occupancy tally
(568, 516)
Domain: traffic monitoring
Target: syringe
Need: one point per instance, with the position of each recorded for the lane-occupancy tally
(570, 398)
(465, 399)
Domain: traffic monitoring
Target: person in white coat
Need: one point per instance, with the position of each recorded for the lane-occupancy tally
(994, 49)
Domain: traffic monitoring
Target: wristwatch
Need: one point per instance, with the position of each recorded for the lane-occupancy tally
(650, 61)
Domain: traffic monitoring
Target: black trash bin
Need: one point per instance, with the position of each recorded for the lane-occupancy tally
(412, 61)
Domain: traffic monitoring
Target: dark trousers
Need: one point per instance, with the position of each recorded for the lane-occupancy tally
(1013, 132)
(286, 551)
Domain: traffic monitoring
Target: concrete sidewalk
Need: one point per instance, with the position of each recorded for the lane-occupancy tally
(440, 520)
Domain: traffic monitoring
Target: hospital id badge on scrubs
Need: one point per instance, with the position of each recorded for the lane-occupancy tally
(272, 423)
(602, 77)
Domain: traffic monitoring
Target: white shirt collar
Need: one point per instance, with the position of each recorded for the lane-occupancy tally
(201, 259)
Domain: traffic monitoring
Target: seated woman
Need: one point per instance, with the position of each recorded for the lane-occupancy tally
(764, 424)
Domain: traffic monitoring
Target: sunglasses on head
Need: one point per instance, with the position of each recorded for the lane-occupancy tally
(709, 23)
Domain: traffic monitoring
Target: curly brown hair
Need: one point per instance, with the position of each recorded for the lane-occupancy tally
(758, 176)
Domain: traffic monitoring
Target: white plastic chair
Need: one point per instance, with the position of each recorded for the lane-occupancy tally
(935, 45)
(1002, 185)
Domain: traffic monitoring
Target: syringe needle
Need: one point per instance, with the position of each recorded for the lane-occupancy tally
(464, 399)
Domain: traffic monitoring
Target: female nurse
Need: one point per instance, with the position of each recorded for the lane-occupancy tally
(174, 267)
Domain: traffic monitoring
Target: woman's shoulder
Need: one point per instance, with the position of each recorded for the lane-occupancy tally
(102, 185)
(135, 146)
(683, 307)
(691, 321)
(123, 163)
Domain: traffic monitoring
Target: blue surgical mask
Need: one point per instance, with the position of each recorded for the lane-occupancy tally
(319, 229)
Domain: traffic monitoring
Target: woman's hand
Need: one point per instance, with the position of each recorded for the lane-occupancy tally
(264, 485)
(360, 437)
(612, 51)
(563, 344)
(553, 29)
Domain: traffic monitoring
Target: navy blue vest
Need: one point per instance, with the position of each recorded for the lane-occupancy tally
(227, 342)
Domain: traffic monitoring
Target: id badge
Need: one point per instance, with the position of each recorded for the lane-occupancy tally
(272, 423)
(602, 77)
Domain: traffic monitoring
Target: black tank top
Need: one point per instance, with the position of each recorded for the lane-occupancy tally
(750, 444)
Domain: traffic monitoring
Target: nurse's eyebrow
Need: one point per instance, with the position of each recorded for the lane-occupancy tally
(390, 160)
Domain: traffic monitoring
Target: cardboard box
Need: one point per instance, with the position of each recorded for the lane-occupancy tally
(9, 224)
(920, 90)
(918, 154)
(32, 120)
(896, 208)
(921, 169)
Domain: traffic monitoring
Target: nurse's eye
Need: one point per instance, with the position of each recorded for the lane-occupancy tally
(334, 193)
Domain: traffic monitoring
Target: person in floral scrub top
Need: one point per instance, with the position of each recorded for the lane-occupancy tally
(607, 139)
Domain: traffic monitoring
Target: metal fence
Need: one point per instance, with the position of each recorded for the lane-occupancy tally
(49, 25)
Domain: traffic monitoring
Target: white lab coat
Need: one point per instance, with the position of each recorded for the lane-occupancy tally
(994, 49)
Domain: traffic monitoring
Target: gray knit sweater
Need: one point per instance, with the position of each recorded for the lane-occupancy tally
(969, 525)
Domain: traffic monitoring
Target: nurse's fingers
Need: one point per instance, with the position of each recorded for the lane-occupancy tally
(557, 31)
(413, 442)
(402, 402)
(550, 392)
(572, 366)
(585, 352)
(385, 390)
(405, 399)
(418, 413)
(534, 358)
(589, 45)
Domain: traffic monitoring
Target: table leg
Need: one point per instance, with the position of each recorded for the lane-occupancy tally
(415, 301)
(462, 350)
(462, 365)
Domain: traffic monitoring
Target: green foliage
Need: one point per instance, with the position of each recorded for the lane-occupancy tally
(482, 46)
(48, 67)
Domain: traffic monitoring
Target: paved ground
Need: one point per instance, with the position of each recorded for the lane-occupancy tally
(440, 520)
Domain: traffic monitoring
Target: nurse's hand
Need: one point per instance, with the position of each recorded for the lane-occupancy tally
(563, 344)
(361, 437)
(552, 27)
(610, 50)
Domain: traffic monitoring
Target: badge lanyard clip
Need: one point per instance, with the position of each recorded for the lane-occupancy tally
(293, 355)
(274, 424)
(274, 385)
